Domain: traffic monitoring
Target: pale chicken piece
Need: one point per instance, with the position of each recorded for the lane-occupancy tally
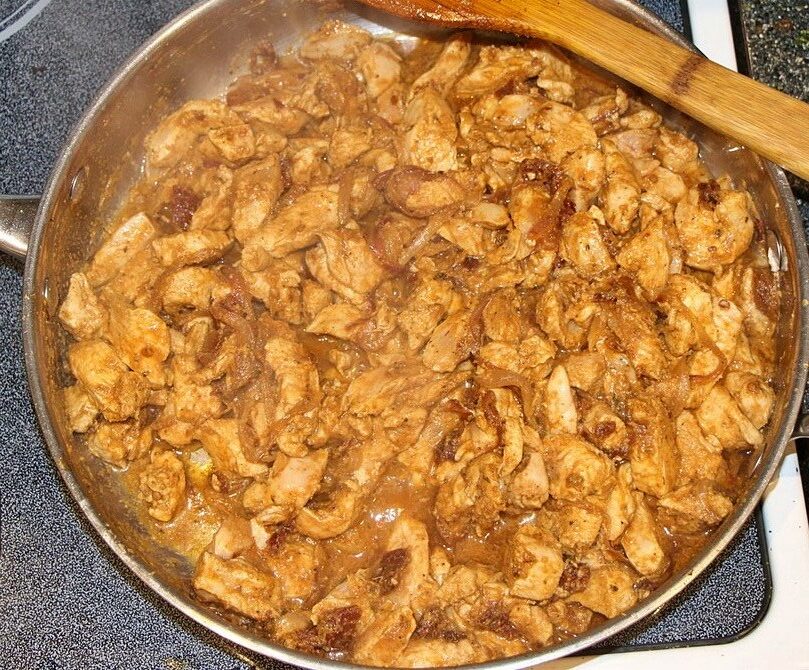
(576, 469)
(338, 320)
(501, 320)
(335, 39)
(529, 488)
(754, 396)
(419, 193)
(510, 111)
(405, 578)
(295, 567)
(119, 443)
(533, 563)
(489, 215)
(652, 447)
(382, 642)
(80, 409)
(117, 391)
(177, 133)
(278, 286)
(142, 340)
(633, 325)
(232, 538)
(162, 485)
(620, 506)
(620, 198)
(126, 241)
(561, 131)
(344, 263)
(220, 438)
(575, 525)
(314, 298)
(213, 211)
(348, 144)
(331, 517)
(282, 119)
(236, 143)
(191, 247)
(583, 245)
(431, 133)
(641, 541)
(700, 457)
(715, 225)
(190, 287)
(237, 585)
(510, 428)
(136, 279)
(464, 235)
(373, 391)
(293, 481)
(428, 305)
(295, 227)
(470, 503)
(720, 416)
(676, 152)
(587, 168)
(451, 342)
(256, 189)
(585, 369)
(82, 313)
(381, 68)
(700, 501)
(647, 256)
(533, 622)
(530, 358)
(447, 67)
(560, 406)
(309, 164)
(604, 428)
(635, 143)
(609, 591)
(498, 65)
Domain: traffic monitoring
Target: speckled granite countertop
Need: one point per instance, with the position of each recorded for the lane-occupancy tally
(65, 600)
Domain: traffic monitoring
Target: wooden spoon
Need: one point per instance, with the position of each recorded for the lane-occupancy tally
(765, 120)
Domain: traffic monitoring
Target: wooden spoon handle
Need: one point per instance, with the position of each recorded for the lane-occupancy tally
(765, 120)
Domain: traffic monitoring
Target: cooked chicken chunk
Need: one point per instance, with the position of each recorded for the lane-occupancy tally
(126, 241)
(237, 585)
(162, 485)
(81, 312)
(533, 564)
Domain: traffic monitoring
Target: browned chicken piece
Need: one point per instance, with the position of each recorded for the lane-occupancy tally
(191, 247)
(664, 186)
(530, 358)
(652, 447)
(190, 287)
(754, 396)
(633, 325)
(119, 443)
(588, 170)
(125, 242)
(162, 485)
(583, 245)
(80, 409)
(341, 320)
(700, 501)
(377, 389)
(510, 428)
(335, 39)
(237, 585)
(605, 429)
(647, 256)
(451, 342)
(430, 302)
(117, 391)
(560, 131)
(278, 286)
(386, 637)
(295, 227)
(533, 563)
(529, 489)
(236, 143)
(532, 622)
(177, 133)
(472, 502)
(700, 457)
(575, 525)
(381, 68)
(232, 538)
(81, 312)
(429, 139)
(576, 469)
(610, 591)
(344, 263)
(447, 67)
(714, 224)
(220, 438)
(620, 506)
(620, 198)
(404, 571)
(142, 340)
(430, 653)
(719, 416)
(676, 152)
(295, 565)
(256, 188)
(560, 406)
(641, 541)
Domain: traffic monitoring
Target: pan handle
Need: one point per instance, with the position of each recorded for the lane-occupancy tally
(17, 215)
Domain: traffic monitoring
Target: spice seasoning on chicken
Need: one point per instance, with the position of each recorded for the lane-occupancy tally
(426, 358)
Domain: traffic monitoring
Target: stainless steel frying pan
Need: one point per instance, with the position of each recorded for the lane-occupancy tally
(196, 56)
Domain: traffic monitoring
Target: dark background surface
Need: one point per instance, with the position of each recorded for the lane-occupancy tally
(65, 600)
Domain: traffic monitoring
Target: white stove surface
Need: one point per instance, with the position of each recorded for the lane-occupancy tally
(781, 640)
